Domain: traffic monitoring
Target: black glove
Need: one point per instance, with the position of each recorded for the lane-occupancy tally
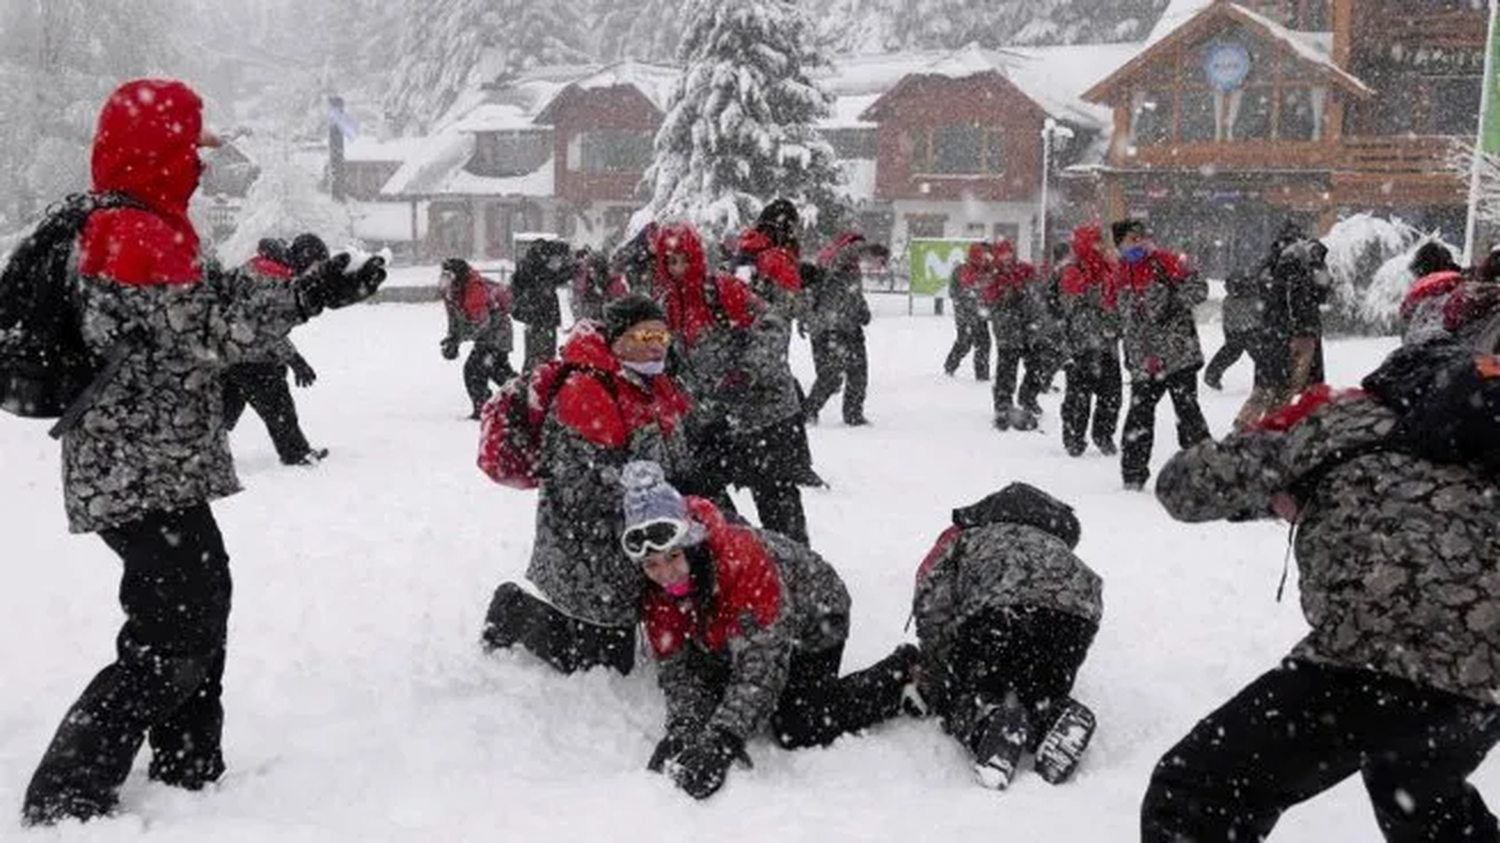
(700, 769)
(302, 374)
(667, 749)
(449, 347)
(327, 285)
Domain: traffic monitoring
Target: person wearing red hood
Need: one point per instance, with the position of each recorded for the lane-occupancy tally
(1155, 292)
(615, 404)
(1016, 307)
(964, 286)
(1091, 325)
(747, 417)
(150, 452)
(479, 310)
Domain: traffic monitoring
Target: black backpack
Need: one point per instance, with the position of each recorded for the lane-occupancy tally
(1447, 397)
(45, 367)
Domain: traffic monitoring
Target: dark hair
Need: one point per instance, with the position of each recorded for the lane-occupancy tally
(779, 221)
(1431, 257)
(273, 248)
(627, 310)
(1120, 228)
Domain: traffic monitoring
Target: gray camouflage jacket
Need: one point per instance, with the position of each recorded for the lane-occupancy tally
(999, 564)
(725, 661)
(1397, 555)
(1158, 322)
(154, 439)
(598, 421)
(281, 351)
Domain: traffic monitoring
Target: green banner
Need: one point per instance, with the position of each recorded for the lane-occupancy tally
(1489, 121)
(933, 262)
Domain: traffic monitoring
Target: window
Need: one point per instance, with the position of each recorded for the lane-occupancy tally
(1249, 114)
(1200, 123)
(503, 154)
(611, 151)
(1301, 116)
(853, 143)
(1150, 117)
(958, 151)
(925, 225)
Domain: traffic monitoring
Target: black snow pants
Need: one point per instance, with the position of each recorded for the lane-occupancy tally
(485, 364)
(973, 333)
(840, 361)
(1228, 354)
(566, 643)
(1093, 392)
(1029, 652)
(818, 705)
(1140, 420)
(165, 682)
(1303, 728)
(263, 386)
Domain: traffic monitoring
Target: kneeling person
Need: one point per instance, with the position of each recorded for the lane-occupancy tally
(1005, 615)
(749, 627)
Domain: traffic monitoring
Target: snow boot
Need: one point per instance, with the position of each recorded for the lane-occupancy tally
(311, 458)
(1063, 746)
(507, 620)
(76, 806)
(1002, 737)
(1106, 446)
(186, 773)
(1022, 418)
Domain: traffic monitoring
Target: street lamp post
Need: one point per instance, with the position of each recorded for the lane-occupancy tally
(1050, 129)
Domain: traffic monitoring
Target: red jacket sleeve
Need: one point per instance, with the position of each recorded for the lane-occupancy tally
(585, 405)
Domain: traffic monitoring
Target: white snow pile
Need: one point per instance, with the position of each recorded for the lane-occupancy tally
(1362, 251)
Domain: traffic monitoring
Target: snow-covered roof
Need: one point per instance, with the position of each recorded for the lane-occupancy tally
(435, 161)
(857, 74)
(1184, 21)
(536, 183)
(496, 117)
(366, 148)
(654, 81)
(1177, 13)
(847, 111)
(1052, 77)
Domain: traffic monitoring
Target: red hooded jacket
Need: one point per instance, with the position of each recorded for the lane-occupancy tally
(145, 147)
(746, 584)
(1089, 268)
(1138, 276)
(778, 263)
(608, 417)
(688, 309)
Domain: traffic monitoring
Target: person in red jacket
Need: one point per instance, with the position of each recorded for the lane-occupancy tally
(1091, 326)
(479, 310)
(749, 627)
(615, 404)
(964, 286)
(146, 459)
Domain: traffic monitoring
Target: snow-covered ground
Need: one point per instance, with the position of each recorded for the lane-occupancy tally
(359, 706)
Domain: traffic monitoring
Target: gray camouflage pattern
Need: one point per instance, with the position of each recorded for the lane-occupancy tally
(739, 690)
(576, 559)
(1159, 323)
(741, 376)
(280, 351)
(1397, 555)
(155, 439)
(837, 304)
(997, 565)
(1087, 324)
(493, 330)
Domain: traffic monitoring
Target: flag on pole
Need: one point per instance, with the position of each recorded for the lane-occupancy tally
(1489, 109)
(1488, 140)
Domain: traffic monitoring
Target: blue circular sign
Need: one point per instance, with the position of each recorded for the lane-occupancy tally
(1226, 64)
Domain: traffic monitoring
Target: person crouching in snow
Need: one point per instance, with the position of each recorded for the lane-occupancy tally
(749, 627)
(1005, 615)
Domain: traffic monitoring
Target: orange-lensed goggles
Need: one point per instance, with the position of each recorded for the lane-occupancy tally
(650, 336)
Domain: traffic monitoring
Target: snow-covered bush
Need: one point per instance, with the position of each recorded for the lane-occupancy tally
(1380, 306)
(1363, 253)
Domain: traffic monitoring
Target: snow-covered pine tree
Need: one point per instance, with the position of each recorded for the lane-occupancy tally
(890, 25)
(740, 129)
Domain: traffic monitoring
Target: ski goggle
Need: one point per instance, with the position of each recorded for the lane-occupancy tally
(652, 537)
(650, 336)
